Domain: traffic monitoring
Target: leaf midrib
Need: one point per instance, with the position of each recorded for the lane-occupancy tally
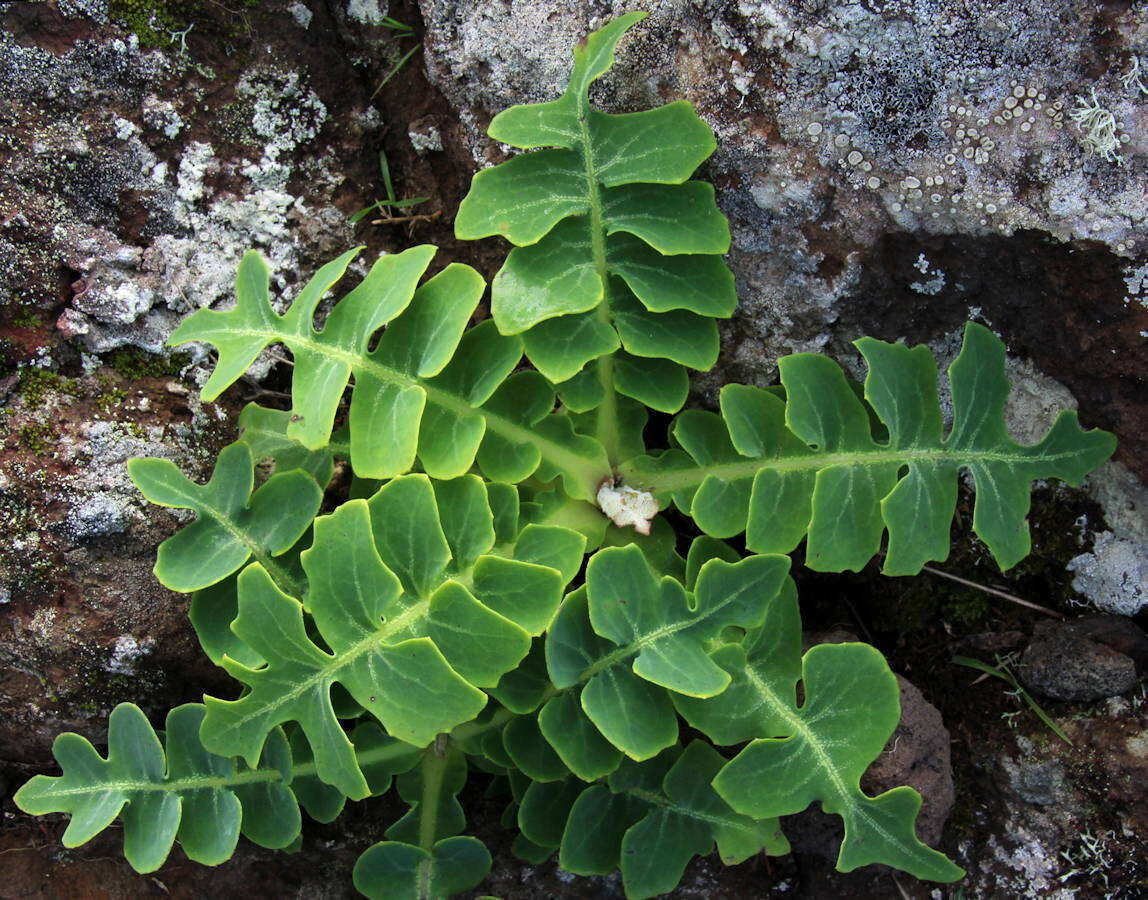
(847, 796)
(392, 626)
(328, 673)
(307, 769)
(633, 649)
(606, 415)
(366, 758)
(735, 471)
(553, 451)
(663, 802)
(279, 573)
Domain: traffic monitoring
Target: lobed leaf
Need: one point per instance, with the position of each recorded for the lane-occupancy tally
(417, 610)
(810, 467)
(614, 245)
(650, 819)
(393, 870)
(423, 857)
(427, 390)
(380, 757)
(233, 524)
(628, 640)
(817, 751)
(165, 792)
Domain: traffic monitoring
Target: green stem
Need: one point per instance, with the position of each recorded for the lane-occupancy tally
(434, 771)
(365, 758)
(606, 430)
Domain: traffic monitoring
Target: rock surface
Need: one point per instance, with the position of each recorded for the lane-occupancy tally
(917, 755)
(132, 179)
(134, 175)
(871, 177)
(888, 168)
(1085, 659)
(1114, 576)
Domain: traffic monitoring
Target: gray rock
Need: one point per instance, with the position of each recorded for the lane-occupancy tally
(100, 514)
(1114, 576)
(1085, 659)
(132, 181)
(88, 156)
(1039, 781)
(900, 106)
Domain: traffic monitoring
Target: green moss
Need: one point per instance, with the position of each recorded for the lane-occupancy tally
(26, 317)
(135, 364)
(37, 437)
(155, 22)
(966, 610)
(36, 383)
(111, 401)
(152, 21)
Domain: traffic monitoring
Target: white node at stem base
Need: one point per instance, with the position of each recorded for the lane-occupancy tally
(626, 506)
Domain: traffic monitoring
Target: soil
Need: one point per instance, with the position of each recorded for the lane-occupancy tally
(919, 623)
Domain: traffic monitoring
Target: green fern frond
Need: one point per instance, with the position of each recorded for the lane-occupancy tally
(809, 467)
(615, 247)
(187, 794)
(429, 389)
(628, 640)
(234, 523)
(417, 610)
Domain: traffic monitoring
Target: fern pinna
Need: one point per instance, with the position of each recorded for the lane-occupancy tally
(469, 609)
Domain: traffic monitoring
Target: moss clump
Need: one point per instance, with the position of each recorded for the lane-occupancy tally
(26, 317)
(966, 610)
(135, 364)
(37, 437)
(152, 21)
(111, 401)
(155, 22)
(36, 383)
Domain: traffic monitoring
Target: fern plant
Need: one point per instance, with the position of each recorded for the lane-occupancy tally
(618, 255)
(470, 609)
